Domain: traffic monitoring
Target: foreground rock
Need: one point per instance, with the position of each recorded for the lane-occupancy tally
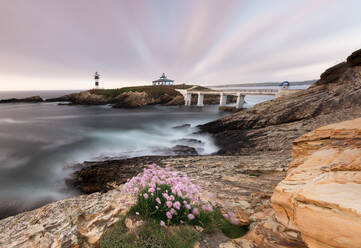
(320, 197)
(32, 99)
(335, 97)
(75, 222)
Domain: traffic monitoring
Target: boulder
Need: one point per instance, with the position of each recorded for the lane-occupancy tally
(184, 150)
(74, 222)
(320, 196)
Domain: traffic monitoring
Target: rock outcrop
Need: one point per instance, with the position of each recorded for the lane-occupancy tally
(133, 100)
(272, 125)
(75, 222)
(82, 98)
(32, 99)
(320, 197)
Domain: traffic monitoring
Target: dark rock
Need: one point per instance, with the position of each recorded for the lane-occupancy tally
(32, 99)
(183, 126)
(191, 141)
(178, 100)
(98, 176)
(333, 74)
(355, 58)
(184, 150)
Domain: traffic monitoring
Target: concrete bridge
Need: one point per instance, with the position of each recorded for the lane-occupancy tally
(240, 93)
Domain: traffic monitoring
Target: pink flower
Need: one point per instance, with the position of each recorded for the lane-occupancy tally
(188, 207)
(177, 205)
(173, 211)
(158, 200)
(156, 207)
(195, 211)
(151, 190)
(169, 215)
(190, 216)
(137, 213)
(207, 208)
(169, 204)
(162, 223)
(145, 196)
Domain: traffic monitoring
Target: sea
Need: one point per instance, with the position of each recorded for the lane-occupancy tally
(41, 142)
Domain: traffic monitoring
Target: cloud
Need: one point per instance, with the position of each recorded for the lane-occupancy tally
(59, 45)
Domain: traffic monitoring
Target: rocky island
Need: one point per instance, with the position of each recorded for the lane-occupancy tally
(284, 168)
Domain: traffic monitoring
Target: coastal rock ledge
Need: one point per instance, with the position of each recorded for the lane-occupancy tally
(75, 222)
(320, 196)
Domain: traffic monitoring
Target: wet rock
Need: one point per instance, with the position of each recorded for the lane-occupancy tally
(183, 126)
(184, 150)
(190, 141)
(32, 99)
(103, 176)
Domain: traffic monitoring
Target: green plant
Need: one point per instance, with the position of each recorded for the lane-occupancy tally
(149, 235)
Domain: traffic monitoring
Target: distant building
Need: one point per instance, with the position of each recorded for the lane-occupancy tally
(96, 78)
(163, 80)
(285, 84)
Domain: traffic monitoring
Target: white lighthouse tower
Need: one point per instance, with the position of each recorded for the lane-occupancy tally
(96, 78)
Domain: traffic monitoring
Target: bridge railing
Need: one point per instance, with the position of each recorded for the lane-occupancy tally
(252, 90)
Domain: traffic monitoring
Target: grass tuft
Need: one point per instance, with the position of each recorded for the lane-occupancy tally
(150, 235)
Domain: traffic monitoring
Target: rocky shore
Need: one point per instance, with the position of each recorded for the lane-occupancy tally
(290, 175)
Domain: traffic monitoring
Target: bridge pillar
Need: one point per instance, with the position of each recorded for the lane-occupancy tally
(188, 100)
(222, 99)
(200, 100)
(240, 101)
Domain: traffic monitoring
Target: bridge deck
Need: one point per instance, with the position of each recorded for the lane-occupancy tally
(270, 92)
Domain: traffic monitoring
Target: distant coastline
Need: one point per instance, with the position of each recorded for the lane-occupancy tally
(307, 82)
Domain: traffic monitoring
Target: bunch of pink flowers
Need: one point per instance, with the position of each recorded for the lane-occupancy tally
(156, 175)
(165, 194)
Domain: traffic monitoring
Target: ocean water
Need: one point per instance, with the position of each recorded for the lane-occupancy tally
(40, 142)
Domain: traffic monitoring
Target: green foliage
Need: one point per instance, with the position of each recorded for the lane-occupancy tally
(147, 208)
(215, 221)
(200, 88)
(153, 91)
(150, 235)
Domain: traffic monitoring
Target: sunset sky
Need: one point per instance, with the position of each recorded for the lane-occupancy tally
(47, 44)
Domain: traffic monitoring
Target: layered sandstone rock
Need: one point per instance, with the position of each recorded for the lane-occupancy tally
(74, 222)
(320, 197)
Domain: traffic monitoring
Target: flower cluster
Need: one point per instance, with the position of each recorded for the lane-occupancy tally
(165, 195)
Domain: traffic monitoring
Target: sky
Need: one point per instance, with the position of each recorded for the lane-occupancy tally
(48, 44)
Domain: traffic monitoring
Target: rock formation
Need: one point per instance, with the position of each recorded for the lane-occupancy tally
(320, 197)
(335, 97)
(75, 222)
(32, 99)
(133, 100)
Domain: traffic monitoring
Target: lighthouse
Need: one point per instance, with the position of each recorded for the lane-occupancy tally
(96, 78)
